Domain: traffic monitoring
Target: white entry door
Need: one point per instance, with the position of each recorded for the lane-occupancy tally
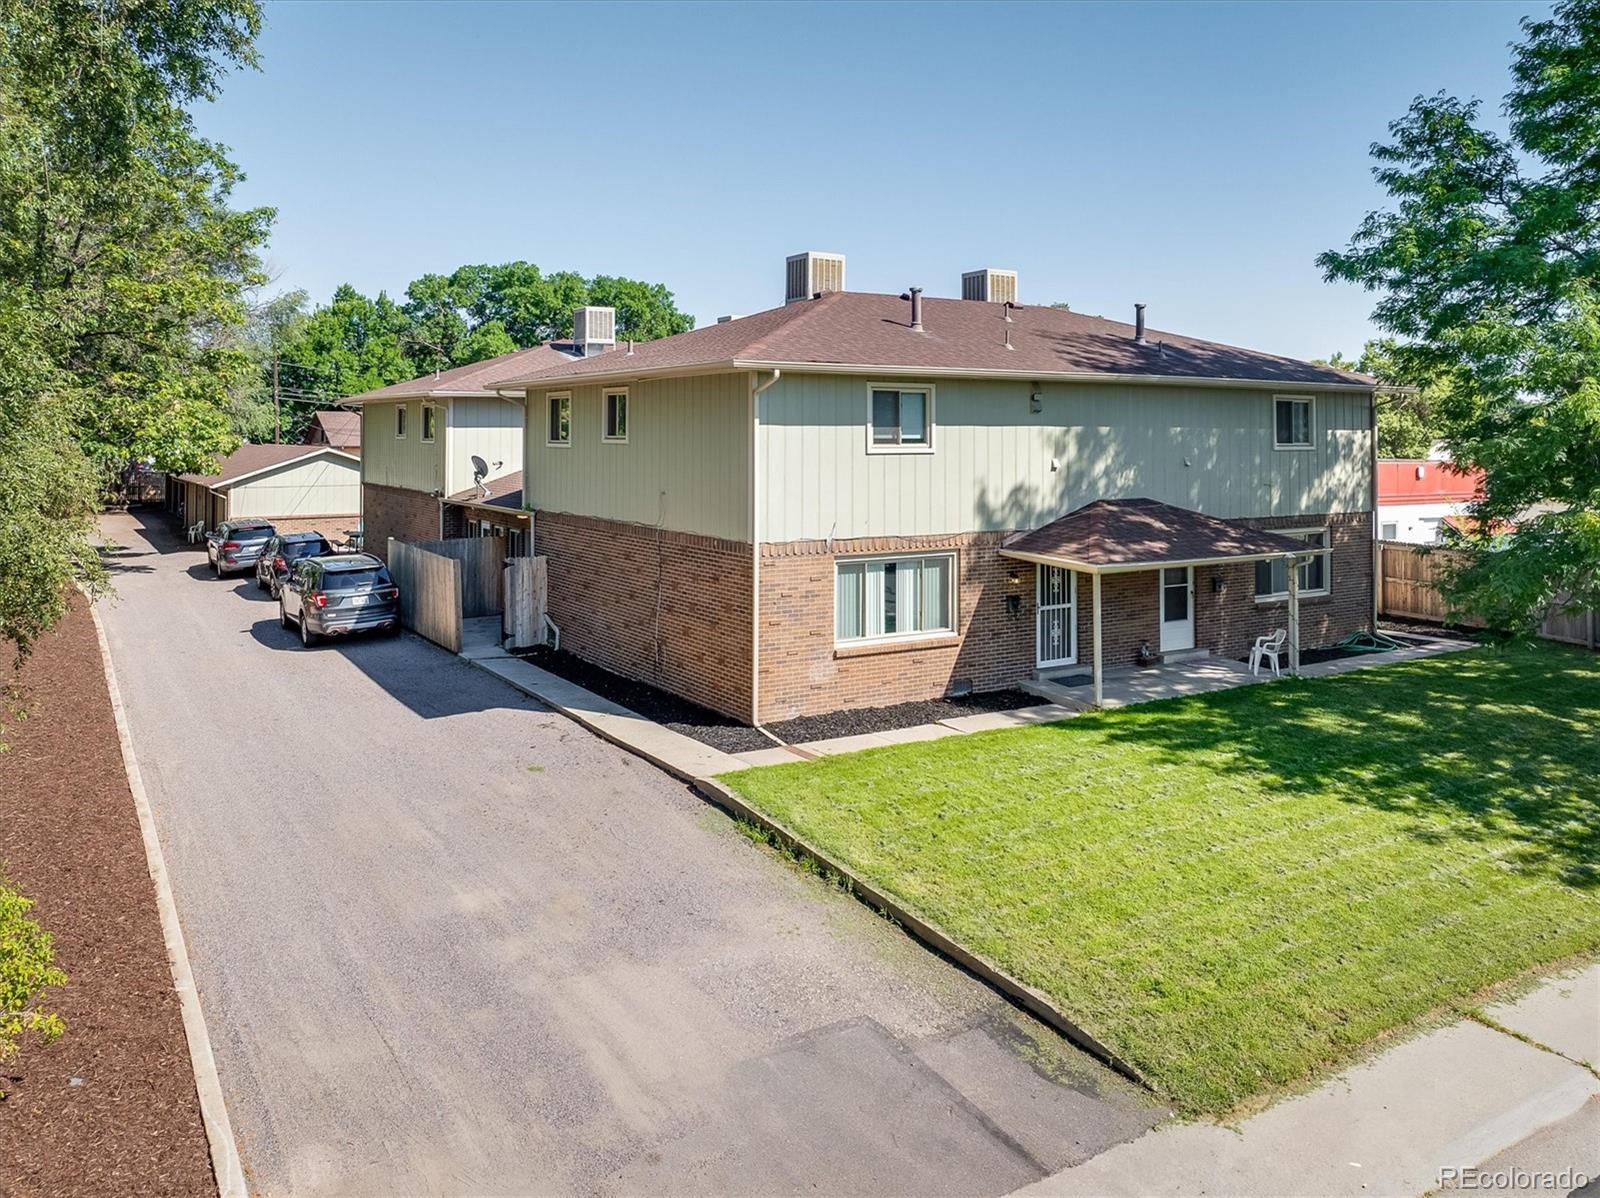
(1058, 617)
(1177, 609)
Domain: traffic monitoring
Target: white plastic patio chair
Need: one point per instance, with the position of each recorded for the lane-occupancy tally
(1268, 647)
(194, 530)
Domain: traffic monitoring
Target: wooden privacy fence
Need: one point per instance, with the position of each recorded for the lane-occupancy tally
(527, 592)
(444, 582)
(1408, 589)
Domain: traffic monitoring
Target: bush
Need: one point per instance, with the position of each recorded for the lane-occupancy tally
(27, 970)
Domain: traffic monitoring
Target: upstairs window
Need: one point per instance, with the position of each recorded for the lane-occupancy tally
(616, 427)
(559, 414)
(1272, 577)
(1291, 423)
(900, 419)
(400, 422)
(430, 421)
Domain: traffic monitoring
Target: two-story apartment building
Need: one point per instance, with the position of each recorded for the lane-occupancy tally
(858, 499)
(450, 436)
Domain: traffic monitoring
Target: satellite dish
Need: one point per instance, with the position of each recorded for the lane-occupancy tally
(480, 469)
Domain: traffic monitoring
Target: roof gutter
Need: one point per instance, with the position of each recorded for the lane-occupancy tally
(739, 365)
(1072, 563)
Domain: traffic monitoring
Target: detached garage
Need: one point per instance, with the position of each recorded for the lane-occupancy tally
(297, 487)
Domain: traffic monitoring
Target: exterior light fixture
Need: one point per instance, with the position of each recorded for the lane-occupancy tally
(1218, 582)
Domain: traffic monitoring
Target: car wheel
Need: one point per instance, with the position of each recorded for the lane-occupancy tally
(307, 637)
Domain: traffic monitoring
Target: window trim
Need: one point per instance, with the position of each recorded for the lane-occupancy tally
(423, 434)
(550, 398)
(1327, 566)
(402, 417)
(953, 599)
(925, 446)
(605, 415)
(1311, 422)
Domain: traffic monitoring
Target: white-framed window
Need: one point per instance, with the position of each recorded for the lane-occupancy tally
(430, 421)
(400, 422)
(1292, 421)
(558, 418)
(892, 598)
(899, 419)
(1389, 532)
(1272, 577)
(616, 416)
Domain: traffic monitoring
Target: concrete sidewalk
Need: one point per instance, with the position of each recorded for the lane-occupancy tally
(679, 755)
(1407, 1122)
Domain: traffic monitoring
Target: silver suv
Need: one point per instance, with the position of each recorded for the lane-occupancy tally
(337, 594)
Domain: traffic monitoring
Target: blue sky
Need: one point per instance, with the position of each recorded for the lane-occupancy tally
(1195, 157)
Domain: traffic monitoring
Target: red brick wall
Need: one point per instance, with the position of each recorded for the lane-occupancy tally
(803, 673)
(605, 597)
(335, 527)
(397, 512)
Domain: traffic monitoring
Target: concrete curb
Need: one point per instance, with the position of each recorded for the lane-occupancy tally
(213, 1111)
(1033, 1001)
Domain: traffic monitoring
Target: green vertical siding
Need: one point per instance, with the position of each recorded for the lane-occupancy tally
(395, 462)
(490, 428)
(685, 463)
(1205, 448)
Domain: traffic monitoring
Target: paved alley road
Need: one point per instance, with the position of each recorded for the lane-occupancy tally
(448, 942)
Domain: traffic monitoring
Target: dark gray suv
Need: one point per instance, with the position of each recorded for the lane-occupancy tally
(237, 544)
(281, 553)
(338, 594)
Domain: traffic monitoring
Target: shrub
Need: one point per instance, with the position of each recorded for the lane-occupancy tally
(27, 970)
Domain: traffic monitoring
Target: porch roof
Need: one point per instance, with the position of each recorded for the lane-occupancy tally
(1112, 536)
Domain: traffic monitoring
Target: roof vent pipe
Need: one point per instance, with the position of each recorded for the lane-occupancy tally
(915, 296)
(1138, 323)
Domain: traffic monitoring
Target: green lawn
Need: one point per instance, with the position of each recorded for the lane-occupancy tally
(1236, 891)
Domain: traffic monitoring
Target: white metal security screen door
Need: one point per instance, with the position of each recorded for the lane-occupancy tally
(1177, 609)
(1058, 617)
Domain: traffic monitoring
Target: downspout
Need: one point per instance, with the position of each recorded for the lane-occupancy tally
(1372, 467)
(755, 547)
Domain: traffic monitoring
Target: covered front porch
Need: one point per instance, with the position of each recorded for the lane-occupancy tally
(1144, 554)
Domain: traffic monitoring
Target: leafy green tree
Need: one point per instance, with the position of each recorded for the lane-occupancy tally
(121, 263)
(1487, 268)
(1407, 422)
(353, 344)
(645, 311)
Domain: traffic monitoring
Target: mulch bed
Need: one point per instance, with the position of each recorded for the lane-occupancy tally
(730, 736)
(110, 1107)
(1441, 632)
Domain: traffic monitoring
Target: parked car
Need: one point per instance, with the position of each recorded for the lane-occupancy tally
(237, 544)
(338, 594)
(281, 552)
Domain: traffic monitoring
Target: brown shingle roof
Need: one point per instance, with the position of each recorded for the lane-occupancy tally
(1145, 533)
(850, 328)
(505, 491)
(478, 377)
(339, 429)
(248, 459)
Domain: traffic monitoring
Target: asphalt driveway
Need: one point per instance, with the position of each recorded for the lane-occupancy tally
(448, 942)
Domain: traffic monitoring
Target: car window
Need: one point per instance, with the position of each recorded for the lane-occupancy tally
(249, 534)
(350, 580)
(294, 549)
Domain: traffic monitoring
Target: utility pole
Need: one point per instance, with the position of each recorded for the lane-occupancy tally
(277, 403)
